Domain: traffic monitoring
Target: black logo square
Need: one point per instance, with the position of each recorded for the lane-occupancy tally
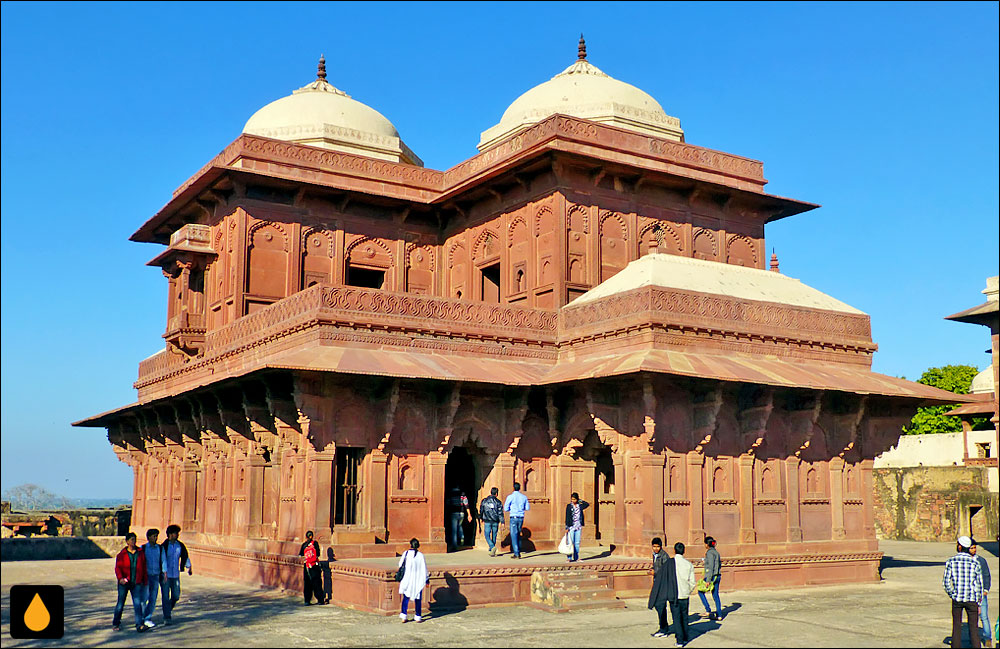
(36, 612)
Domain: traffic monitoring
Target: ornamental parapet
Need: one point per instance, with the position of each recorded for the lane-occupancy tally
(364, 310)
(668, 308)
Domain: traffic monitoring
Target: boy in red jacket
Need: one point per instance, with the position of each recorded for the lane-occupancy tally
(130, 572)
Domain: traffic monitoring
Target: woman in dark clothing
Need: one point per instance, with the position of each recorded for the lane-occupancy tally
(574, 522)
(312, 581)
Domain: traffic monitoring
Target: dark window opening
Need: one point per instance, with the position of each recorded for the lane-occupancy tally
(345, 501)
(365, 277)
(491, 283)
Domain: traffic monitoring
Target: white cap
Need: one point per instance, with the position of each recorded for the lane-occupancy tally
(965, 541)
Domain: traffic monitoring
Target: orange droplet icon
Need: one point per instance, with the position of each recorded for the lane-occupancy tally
(36, 617)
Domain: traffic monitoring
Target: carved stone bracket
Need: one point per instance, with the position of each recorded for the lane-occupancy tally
(448, 416)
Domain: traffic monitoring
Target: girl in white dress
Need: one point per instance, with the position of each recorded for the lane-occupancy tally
(415, 577)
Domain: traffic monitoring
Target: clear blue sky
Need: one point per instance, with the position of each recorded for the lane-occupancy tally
(886, 114)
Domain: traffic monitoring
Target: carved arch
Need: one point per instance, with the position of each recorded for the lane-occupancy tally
(668, 231)
(451, 252)
(750, 245)
(354, 244)
(617, 217)
(320, 233)
(705, 245)
(584, 212)
(259, 225)
(540, 213)
(512, 229)
(483, 241)
(412, 249)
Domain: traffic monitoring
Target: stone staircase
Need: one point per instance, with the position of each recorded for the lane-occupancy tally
(569, 589)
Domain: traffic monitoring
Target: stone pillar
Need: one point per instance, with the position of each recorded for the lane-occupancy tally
(868, 493)
(652, 496)
(138, 495)
(378, 493)
(271, 478)
(255, 496)
(748, 534)
(560, 486)
(189, 496)
(837, 497)
(634, 503)
(792, 500)
(225, 493)
(696, 494)
(619, 536)
(436, 462)
(320, 498)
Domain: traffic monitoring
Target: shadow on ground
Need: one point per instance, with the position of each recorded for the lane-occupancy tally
(84, 624)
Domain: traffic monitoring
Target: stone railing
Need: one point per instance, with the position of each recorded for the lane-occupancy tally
(365, 309)
(678, 307)
(573, 128)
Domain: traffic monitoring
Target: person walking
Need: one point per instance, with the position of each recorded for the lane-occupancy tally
(516, 505)
(415, 578)
(574, 522)
(491, 514)
(156, 568)
(685, 584)
(963, 581)
(984, 609)
(312, 578)
(712, 574)
(130, 572)
(664, 589)
(457, 508)
(177, 561)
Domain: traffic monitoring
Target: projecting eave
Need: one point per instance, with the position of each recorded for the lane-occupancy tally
(984, 314)
(632, 155)
(105, 419)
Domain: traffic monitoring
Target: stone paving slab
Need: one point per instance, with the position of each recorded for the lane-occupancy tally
(908, 609)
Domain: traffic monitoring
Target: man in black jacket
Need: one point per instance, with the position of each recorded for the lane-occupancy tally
(491, 514)
(664, 588)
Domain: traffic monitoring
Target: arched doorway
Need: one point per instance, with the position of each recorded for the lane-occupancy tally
(460, 472)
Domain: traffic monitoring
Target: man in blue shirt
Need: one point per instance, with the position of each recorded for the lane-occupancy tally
(156, 570)
(177, 561)
(516, 504)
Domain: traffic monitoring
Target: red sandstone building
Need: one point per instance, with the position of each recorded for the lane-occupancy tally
(582, 306)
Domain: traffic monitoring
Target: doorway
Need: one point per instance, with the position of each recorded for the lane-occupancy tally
(460, 472)
(345, 501)
(604, 496)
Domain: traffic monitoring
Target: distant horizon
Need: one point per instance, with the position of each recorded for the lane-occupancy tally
(885, 114)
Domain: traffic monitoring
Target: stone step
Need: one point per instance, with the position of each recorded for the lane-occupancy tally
(564, 589)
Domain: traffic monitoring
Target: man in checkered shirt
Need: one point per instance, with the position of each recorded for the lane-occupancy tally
(963, 581)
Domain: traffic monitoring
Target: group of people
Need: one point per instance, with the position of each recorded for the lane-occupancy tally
(142, 572)
(493, 516)
(673, 583)
(967, 582)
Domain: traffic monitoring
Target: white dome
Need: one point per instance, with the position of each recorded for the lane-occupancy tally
(318, 114)
(582, 90)
(983, 383)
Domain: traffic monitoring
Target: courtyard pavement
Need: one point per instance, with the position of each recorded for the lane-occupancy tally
(908, 609)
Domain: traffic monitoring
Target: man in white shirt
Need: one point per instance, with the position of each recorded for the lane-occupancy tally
(685, 585)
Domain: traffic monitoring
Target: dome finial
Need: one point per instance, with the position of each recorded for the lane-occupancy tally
(581, 49)
(321, 68)
(774, 261)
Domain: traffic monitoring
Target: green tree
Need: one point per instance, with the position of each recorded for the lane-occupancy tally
(953, 378)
